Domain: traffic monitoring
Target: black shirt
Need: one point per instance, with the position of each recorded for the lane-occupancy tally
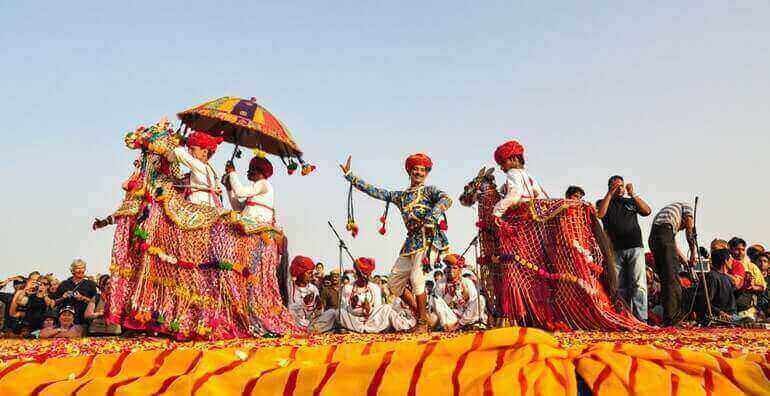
(85, 287)
(622, 223)
(721, 293)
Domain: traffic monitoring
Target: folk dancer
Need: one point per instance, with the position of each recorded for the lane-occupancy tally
(202, 185)
(304, 299)
(255, 201)
(457, 302)
(421, 209)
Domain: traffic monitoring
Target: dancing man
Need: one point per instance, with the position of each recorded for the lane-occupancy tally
(458, 302)
(421, 208)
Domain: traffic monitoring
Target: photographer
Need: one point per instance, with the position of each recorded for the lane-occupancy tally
(28, 306)
(76, 291)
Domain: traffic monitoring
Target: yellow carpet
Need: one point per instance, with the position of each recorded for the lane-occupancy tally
(502, 361)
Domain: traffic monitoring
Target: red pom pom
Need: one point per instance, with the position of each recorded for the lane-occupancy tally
(425, 260)
(383, 219)
(382, 230)
(144, 246)
(443, 225)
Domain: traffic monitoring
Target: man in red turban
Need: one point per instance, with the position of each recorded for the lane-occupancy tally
(519, 185)
(361, 308)
(304, 299)
(202, 183)
(255, 201)
(423, 212)
(364, 266)
(507, 151)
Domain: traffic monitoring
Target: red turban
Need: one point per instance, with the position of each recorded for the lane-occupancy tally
(508, 150)
(418, 159)
(300, 265)
(365, 265)
(454, 260)
(204, 141)
(261, 165)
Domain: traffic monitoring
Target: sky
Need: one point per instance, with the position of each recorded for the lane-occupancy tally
(673, 97)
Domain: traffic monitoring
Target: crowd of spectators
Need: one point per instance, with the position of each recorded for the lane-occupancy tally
(736, 275)
(329, 284)
(41, 306)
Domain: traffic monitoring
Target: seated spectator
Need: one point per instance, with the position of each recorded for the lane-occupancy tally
(763, 301)
(457, 302)
(49, 323)
(95, 311)
(387, 296)
(734, 267)
(330, 293)
(319, 273)
(76, 291)
(67, 327)
(575, 192)
(362, 309)
(720, 290)
(754, 285)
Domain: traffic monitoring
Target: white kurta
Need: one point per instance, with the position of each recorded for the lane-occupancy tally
(203, 182)
(451, 304)
(254, 200)
(402, 318)
(352, 314)
(519, 187)
(303, 304)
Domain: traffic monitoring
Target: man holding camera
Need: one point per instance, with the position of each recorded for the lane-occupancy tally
(76, 291)
(620, 216)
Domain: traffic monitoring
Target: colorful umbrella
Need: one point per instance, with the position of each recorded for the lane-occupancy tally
(242, 122)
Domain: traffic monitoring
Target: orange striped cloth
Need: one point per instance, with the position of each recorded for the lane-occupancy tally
(502, 361)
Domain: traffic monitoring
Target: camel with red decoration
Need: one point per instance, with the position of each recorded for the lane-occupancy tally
(546, 263)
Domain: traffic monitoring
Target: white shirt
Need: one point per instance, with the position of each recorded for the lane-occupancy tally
(371, 293)
(255, 200)
(519, 187)
(456, 297)
(203, 183)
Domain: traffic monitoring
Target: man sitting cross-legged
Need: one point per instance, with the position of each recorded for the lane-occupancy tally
(457, 302)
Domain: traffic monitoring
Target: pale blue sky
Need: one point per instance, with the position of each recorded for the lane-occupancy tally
(675, 98)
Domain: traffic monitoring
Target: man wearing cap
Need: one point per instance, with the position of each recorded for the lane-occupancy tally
(255, 201)
(67, 327)
(304, 298)
(458, 302)
(422, 208)
(362, 310)
(202, 183)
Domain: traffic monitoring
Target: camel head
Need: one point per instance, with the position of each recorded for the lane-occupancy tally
(472, 189)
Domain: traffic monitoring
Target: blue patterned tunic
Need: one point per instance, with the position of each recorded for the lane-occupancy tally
(418, 206)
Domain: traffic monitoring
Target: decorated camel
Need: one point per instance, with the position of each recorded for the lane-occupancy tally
(546, 263)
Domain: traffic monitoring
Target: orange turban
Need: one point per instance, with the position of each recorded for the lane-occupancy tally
(454, 260)
(300, 265)
(261, 165)
(508, 150)
(418, 159)
(365, 265)
(204, 141)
